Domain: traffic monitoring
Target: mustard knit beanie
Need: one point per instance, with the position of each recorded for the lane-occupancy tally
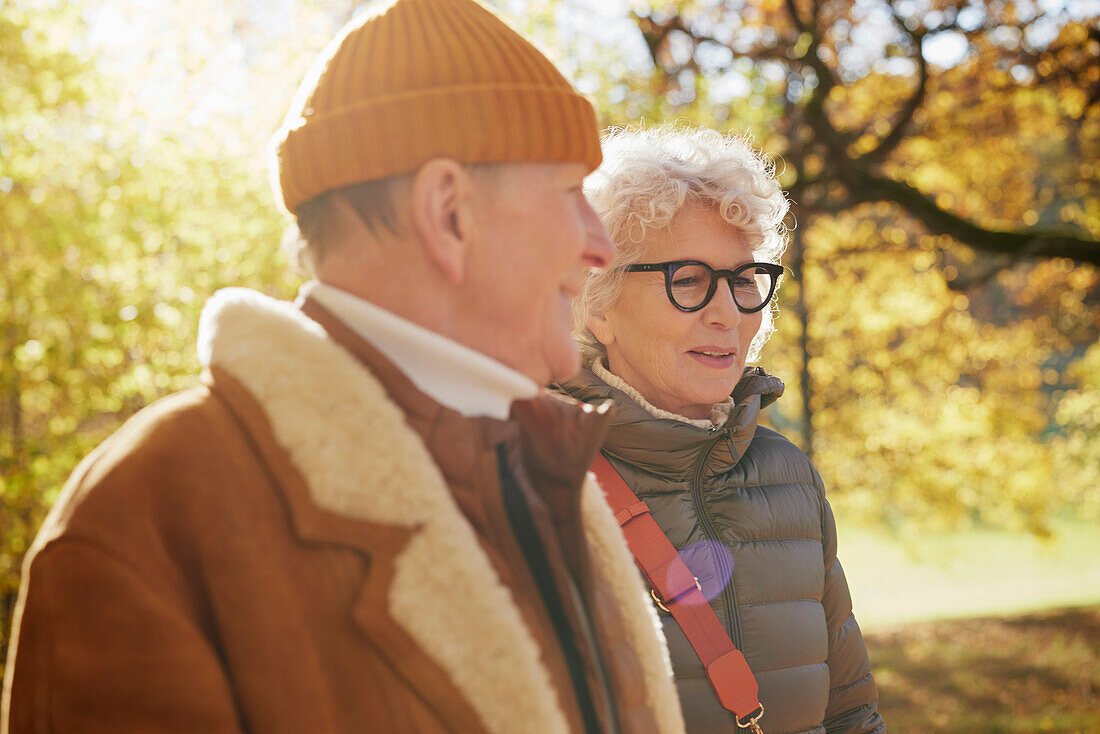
(421, 79)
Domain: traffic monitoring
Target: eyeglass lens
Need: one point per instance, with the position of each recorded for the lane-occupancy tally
(690, 286)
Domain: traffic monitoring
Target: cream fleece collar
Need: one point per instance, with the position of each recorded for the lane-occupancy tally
(322, 404)
(719, 414)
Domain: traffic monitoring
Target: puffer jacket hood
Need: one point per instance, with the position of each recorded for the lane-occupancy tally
(670, 448)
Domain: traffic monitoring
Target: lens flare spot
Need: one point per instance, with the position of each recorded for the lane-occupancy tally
(712, 563)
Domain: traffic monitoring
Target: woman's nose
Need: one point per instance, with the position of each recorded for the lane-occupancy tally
(722, 309)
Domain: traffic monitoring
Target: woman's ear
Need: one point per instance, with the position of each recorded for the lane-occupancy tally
(600, 326)
(439, 202)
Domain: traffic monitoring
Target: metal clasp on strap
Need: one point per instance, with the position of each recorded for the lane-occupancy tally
(661, 602)
(750, 722)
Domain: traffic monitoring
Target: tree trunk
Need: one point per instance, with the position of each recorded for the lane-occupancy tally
(802, 311)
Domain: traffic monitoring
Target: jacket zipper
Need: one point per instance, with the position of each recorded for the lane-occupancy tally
(725, 569)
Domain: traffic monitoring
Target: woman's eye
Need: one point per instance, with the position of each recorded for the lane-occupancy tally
(686, 282)
(743, 282)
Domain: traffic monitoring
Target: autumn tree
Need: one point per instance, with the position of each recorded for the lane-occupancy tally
(860, 84)
(941, 160)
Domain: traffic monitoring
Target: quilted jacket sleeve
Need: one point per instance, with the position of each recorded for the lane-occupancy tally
(853, 696)
(99, 649)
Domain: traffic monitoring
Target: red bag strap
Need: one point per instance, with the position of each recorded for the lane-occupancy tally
(676, 591)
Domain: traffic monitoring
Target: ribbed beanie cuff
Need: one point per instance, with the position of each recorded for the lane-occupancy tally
(428, 79)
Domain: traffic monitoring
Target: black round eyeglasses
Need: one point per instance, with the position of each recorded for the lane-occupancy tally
(690, 284)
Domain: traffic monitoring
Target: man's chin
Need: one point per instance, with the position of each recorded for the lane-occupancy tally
(565, 366)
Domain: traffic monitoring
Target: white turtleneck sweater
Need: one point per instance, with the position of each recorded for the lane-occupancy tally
(450, 373)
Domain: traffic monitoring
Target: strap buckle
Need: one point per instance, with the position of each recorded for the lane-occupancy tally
(661, 602)
(751, 721)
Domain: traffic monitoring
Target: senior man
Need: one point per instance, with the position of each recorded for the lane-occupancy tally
(369, 517)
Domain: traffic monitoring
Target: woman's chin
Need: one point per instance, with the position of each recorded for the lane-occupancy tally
(700, 405)
(710, 383)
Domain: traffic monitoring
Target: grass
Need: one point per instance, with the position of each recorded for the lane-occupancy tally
(957, 635)
(1018, 675)
(980, 572)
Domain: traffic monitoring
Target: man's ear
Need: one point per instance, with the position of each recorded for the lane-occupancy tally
(600, 327)
(439, 205)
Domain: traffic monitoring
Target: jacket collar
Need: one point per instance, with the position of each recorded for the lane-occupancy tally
(669, 447)
(451, 373)
(431, 600)
(556, 438)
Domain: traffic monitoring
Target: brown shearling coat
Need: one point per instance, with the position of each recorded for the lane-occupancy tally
(303, 544)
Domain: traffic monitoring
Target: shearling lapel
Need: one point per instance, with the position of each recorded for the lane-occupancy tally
(361, 465)
(381, 543)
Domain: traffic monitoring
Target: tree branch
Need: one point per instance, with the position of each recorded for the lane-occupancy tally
(815, 114)
(656, 35)
(796, 17)
(1034, 242)
(653, 33)
(897, 133)
(982, 275)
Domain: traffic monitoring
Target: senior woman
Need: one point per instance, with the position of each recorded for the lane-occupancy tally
(697, 221)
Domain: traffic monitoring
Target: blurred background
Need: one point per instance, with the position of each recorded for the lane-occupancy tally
(939, 327)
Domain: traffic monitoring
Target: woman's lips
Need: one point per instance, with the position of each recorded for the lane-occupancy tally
(716, 358)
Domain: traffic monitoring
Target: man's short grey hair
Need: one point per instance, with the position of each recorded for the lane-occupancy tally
(647, 176)
(380, 206)
(309, 238)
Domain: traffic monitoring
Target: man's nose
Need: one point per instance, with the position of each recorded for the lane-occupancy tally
(599, 250)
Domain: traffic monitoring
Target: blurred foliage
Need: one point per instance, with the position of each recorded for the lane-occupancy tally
(934, 383)
(109, 248)
(1075, 446)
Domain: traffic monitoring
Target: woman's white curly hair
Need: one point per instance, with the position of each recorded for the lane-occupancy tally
(647, 175)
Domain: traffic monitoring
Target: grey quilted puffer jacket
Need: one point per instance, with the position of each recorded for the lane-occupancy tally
(747, 512)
